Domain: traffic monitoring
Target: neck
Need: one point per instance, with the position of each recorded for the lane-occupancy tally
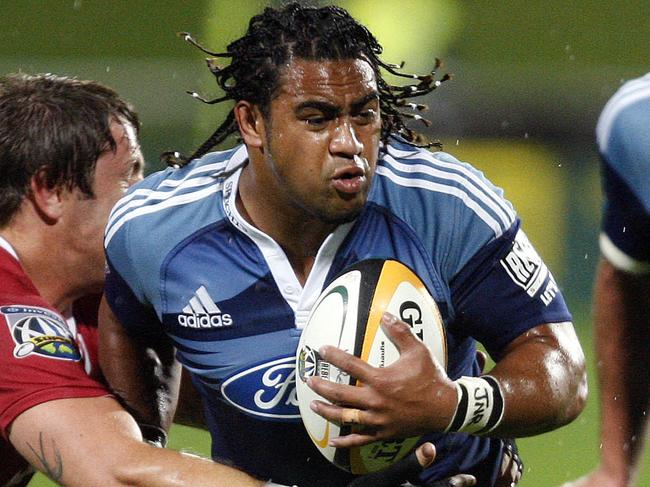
(299, 234)
(47, 264)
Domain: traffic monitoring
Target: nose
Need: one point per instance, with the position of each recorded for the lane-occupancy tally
(344, 141)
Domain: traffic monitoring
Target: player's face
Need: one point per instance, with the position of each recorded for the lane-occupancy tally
(87, 217)
(323, 131)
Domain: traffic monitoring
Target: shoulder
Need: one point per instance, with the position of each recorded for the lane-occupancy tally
(164, 210)
(163, 201)
(16, 285)
(33, 326)
(628, 106)
(439, 184)
(623, 135)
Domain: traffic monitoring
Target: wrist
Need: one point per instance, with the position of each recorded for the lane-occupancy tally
(480, 405)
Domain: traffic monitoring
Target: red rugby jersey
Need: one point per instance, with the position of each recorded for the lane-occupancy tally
(42, 357)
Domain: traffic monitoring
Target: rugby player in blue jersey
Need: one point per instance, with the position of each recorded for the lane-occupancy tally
(622, 291)
(216, 263)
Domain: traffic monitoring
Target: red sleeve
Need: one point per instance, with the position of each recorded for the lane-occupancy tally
(40, 359)
(86, 311)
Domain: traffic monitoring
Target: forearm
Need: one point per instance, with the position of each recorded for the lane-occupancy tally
(167, 468)
(622, 326)
(145, 377)
(93, 441)
(190, 407)
(543, 381)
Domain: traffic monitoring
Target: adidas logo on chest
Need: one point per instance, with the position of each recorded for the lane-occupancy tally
(202, 312)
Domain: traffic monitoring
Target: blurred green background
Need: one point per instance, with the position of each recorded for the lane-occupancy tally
(530, 78)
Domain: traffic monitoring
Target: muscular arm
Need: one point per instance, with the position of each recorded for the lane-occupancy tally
(93, 441)
(622, 327)
(541, 373)
(543, 379)
(143, 373)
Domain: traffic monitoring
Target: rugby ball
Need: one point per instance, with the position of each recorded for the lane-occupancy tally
(347, 315)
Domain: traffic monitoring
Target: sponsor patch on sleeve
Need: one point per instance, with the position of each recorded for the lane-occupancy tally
(40, 331)
(526, 269)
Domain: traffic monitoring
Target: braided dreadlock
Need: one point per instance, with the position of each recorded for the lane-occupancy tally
(276, 36)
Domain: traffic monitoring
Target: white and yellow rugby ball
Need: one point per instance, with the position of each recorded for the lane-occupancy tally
(347, 315)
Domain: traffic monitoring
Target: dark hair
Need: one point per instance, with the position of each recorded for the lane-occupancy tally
(276, 36)
(55, 128)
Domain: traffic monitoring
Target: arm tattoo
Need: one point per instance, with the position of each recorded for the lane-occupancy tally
(52, 468)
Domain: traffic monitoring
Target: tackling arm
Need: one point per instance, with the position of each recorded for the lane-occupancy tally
(143, 374)
(93, 441)
(190, 407)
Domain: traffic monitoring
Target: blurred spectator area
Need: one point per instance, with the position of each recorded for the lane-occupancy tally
(529, 80)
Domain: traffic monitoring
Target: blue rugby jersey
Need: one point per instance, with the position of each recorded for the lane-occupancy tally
(182, 257)
(623, 135)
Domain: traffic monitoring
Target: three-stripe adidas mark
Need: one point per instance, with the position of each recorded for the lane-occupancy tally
(202, 312)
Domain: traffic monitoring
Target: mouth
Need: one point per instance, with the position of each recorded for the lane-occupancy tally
(349, 179)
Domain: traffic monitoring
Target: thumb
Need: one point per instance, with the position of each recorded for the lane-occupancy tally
(426, 454)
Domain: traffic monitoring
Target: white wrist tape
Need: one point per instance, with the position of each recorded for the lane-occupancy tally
(480, 405)
(271, 484)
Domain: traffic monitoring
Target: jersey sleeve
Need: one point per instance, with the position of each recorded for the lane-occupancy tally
(129, 258)
(504, 290)
(40, 360)
(137, 317)
(499, 287)
(623, 135)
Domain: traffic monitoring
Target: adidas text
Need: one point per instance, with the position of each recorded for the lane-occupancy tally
(205, 320)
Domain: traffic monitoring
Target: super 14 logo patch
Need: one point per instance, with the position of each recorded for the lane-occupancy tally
(40, 331)
(526, 268)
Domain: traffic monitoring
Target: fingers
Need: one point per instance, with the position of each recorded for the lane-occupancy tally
(351, 396)
(350, 416)
(408, 468)
(512, 467)
(360, 435)
(353, 440)
(398, 332)
(348, 363)
(426, 454)
(481, 358)
(461, 480)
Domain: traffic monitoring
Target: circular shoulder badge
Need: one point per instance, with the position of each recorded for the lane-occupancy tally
(40, 331)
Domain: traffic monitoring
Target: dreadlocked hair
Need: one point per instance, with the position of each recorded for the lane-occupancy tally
(275, 37)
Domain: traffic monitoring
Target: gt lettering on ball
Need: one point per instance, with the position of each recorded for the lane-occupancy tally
(410, 313)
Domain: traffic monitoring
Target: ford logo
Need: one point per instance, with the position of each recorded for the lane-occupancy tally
(266, 391)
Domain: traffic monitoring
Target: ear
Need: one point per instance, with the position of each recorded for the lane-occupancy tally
(48, 202)
(252, 125)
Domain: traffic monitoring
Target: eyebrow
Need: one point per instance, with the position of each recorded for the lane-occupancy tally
(331, 109)
(322, 106)
(365, 100)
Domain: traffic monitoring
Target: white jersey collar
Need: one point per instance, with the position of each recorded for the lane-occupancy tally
(7, 246)
(301, 299)
(237, 159)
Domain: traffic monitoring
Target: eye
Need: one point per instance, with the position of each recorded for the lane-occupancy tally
(316, 121)
(369, 114)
